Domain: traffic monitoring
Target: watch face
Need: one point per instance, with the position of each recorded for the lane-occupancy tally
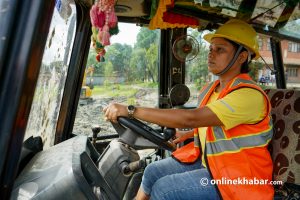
(130, 107)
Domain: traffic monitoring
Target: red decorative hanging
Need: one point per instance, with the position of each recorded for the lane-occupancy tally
(103, 18)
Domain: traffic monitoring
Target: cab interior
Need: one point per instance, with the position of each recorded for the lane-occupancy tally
(109, 166)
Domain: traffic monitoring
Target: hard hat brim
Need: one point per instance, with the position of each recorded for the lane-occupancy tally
(209, 36)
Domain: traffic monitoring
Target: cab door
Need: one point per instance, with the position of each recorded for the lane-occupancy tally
(43, 47)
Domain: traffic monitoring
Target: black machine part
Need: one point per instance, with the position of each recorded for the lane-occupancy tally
(179, 95)
(69, 170)
(113, 167)
(30, 147)
(140, 136)
(65, 171)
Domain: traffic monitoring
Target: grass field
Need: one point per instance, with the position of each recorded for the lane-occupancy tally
(118, 90)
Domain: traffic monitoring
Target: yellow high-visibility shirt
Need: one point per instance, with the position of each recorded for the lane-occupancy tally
(242, 106)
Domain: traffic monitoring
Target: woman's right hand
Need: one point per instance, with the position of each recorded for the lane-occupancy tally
(181, 136)
(113, 111)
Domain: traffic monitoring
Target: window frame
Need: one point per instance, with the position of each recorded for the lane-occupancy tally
(22, 61)
(293, 47)
(292, 72)
(75, 75)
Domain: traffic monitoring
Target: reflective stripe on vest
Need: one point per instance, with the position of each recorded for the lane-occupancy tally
(233, 145)
(238, 81)
(203, 93)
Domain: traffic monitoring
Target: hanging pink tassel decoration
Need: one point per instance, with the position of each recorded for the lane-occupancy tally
(112, 19)
(93, 14)
(97, 17)
(103, 19)
(105, 35)
(100, 35)
(105, 38)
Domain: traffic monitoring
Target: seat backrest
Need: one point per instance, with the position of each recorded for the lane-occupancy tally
(285, 145)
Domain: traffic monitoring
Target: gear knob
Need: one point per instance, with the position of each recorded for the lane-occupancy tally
(96, 129)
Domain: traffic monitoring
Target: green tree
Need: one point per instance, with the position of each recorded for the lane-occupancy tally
(152, 62)
(146, 37)
(147, 41)
(118, 55)
(197, 70)
(135, 64)
(291, 28)
(138, 65)
(109, 69)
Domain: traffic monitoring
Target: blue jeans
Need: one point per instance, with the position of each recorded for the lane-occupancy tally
(170, 179)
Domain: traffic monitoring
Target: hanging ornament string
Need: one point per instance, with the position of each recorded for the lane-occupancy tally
(104, 24)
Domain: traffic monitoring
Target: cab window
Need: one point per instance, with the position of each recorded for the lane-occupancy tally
(291, 61)
(50, 85)
(128, 73)
(197, 74)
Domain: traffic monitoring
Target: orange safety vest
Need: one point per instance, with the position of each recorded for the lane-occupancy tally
(237, 158)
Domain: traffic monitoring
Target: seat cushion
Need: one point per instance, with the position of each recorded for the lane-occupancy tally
(285, 145)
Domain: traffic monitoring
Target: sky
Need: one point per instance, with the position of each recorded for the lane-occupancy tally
(127, 34)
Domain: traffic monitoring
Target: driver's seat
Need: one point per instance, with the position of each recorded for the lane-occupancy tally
(285, 145)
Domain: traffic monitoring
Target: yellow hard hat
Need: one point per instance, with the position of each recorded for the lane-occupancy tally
(240, 32)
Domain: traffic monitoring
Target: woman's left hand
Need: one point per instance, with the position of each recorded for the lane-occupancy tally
(115, 110)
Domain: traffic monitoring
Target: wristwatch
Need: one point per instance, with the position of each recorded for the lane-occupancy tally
(130, 109)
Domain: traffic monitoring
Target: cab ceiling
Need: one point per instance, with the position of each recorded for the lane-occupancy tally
(264, 15)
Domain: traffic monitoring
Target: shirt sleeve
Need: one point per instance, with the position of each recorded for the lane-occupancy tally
(242, 106)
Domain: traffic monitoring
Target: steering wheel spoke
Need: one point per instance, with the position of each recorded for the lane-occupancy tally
(141, 129)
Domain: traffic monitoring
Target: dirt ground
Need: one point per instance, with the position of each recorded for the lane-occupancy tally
(91, 114)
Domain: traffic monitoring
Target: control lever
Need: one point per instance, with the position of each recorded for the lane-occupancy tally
(129, 168)
(169, 133)
(96, 129)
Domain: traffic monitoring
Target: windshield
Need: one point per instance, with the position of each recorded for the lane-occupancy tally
(127, 74)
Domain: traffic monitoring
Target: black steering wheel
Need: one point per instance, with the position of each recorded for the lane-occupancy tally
(159, 138)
